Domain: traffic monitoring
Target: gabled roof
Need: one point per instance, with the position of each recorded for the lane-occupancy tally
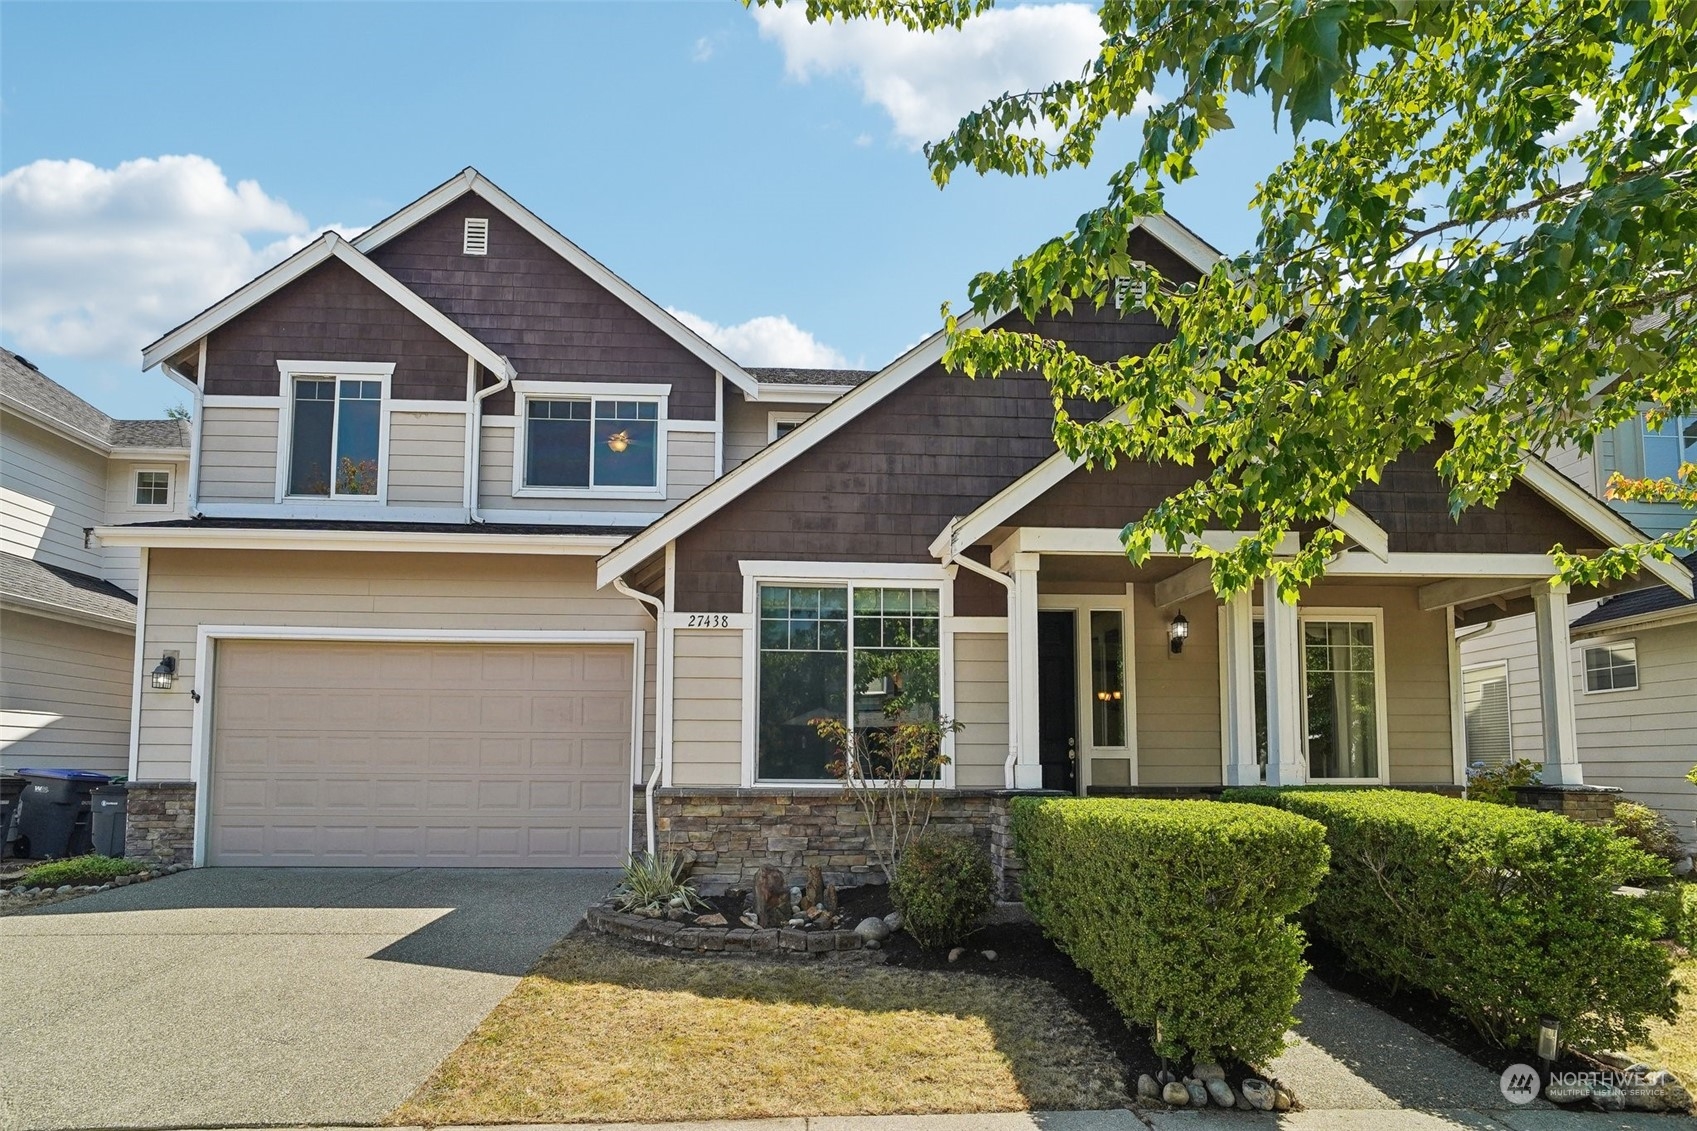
(778, 375)
(33, 586)
(470, 180)
(326, 247)
(31, 393)
(1640, 603)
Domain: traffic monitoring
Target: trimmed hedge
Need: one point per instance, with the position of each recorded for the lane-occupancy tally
(1180, 911)
(1505, 913)
(944, 886)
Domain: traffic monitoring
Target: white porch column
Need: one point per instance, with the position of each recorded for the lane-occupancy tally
(1285, 762)
(1241, 765)
(1555, 684)
(1022, 683)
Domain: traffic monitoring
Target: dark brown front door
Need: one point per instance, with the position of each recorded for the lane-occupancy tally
(1057, 699)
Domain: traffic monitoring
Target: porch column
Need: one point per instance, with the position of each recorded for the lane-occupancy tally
(1022, 683)
(1241, 765)
(1555, 684)
(1285, 762)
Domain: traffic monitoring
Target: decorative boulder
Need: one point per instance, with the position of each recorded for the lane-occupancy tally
(872, 929)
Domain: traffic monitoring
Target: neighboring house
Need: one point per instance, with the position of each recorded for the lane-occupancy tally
(483, 540)
(67, 605)
(1634, 658)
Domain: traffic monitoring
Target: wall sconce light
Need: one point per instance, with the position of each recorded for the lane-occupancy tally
(165, 672)
(618, 441)
(1177, 633)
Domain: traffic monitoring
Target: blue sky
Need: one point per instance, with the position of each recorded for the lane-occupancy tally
(740, 167)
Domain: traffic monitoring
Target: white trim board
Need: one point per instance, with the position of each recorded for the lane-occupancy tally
(324, 248)
(205, 682)
(472, 181)
(375, 541)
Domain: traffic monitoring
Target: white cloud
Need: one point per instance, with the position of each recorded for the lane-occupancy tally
(1584, 118)
(99, 262)
(703, 49)
(926, 81)
(770, 339)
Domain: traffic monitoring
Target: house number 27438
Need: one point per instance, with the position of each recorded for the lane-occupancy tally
(708, 620)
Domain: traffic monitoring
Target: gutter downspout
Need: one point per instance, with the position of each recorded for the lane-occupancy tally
(196, 414)
(474, 461)
(661, 708)
(1006, 582)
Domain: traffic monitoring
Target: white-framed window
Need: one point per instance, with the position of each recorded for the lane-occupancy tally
(152, 487)
(577, 441)
(1344, 729)
(1485, 714)
(334, 440)
(781, 424)
(1611, 666)
(1669, 446)
(870, 652)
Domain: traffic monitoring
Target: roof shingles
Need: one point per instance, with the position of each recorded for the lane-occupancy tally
(35, 583)
(1639, 602)
(22, 382)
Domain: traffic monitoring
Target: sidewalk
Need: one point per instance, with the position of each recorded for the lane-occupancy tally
(1335, 1119)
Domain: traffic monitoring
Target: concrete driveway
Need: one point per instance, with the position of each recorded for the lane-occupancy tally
(247, 996)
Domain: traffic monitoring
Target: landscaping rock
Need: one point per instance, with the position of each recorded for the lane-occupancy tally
(1207, 1070)
(1243, 1104)
(1608, 1097)
(872, 929)
(713, 920)
(870, 944)
(1259, 1093)
(1283, 1100)
(676, 914)
(64, 889)
(1221, 1093)
(1147, 1089)
(989, 955)
(748, 920)
(955, 954)
(797, 922)
(1176, 1094)
(1198, 1093)
(1563, 1093)
(893, 920)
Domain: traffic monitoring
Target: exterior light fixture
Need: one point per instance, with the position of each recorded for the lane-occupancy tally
(165, 673)
(618, 441)
(1549, 1040)
(1177, 633)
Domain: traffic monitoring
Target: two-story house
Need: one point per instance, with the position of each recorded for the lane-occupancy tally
(67, 604)
(1634, 660)
(483, 546)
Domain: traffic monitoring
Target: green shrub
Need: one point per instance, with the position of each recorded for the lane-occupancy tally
(1677, 905)
(78, 871)
(651, 883)
(1649, 830)
(1505, 913)
(1495, 784)
(1180, 910)
(944, 886)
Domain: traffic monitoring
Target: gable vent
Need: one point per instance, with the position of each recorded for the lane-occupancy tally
(1130, 293)
(477, 235)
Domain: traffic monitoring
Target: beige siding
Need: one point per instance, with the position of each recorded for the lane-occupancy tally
(1645, 741)
(50, 491)
(747, 426)
(121, 564)
(427, 459)
(65, 699)
(238, 455)
(1178, 697)
(189, 588)
(707, 707)
(981, 707)
(689, 468)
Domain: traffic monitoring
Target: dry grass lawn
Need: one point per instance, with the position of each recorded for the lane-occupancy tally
(1674, 1046)
(602, 1032)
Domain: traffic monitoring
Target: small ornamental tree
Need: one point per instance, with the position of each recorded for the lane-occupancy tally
(1484, 236)
(891, 772)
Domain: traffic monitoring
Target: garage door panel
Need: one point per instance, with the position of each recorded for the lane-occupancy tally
(453, 755)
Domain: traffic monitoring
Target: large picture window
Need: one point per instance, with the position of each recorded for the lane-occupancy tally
(335, 437)
(823, 648)
(1669, 446)
(1341, 720)
(585, 443)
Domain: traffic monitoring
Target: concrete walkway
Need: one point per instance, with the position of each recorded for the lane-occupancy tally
(262, 996)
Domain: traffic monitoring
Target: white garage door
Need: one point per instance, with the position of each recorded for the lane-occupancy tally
(446, 755)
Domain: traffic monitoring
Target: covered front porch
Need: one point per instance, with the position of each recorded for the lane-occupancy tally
(1130, 678)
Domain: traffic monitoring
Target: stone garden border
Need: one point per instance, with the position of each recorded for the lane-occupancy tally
(607, 920)
(20, 898)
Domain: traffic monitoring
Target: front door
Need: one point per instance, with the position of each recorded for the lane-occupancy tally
(1057, 699)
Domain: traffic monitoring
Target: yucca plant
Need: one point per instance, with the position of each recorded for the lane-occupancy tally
(655, 882)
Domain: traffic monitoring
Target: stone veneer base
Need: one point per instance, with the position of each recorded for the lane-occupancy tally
(675, 936)
(1587, 804)
(159, 822)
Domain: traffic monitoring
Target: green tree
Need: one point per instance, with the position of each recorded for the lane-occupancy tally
(1493, 220)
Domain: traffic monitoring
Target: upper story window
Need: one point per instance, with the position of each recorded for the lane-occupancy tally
(1665, 448)
(153, 489)
(590, 443)
(1612, 666)
(335, 437)
(781, 424)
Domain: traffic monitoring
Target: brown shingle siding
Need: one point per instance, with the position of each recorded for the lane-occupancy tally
(553, 321)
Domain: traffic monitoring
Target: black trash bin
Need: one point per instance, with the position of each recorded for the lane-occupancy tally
(53, 817)
(106, 818)
(11, 788)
